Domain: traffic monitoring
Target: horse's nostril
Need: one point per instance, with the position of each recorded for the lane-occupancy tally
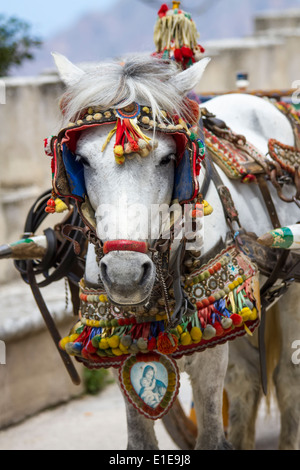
(146, 272)
(104, 274)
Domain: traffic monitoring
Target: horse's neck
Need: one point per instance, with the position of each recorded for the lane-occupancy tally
(215, 226)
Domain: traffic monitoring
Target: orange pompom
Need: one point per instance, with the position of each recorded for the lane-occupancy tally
(167, 343)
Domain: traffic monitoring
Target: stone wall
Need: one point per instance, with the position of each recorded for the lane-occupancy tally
(29, 115)
(277, 21)
(271, 63)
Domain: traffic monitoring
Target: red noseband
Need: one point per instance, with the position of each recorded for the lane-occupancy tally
(125, 245)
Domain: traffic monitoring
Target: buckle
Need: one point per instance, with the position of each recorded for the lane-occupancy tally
(275, 292)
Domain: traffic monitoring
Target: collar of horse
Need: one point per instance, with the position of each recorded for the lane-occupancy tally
(105, 331)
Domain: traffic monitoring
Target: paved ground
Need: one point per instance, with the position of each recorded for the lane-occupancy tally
(99, 423)
(91, 422)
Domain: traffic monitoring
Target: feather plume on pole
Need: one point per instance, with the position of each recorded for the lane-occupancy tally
(176, 36)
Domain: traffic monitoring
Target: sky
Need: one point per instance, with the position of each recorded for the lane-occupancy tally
(48, 18)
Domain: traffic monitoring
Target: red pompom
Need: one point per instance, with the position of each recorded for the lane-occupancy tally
(219, 329)
(178, 55)
(249, 178)
(187, 52)
(237, 319)
(163, 10)
(51, 203)
(90, 348)
(151, 344)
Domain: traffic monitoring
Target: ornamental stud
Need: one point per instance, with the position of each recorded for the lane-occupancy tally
(176, 4)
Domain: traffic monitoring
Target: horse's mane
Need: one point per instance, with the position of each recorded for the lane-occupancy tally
(143, 79)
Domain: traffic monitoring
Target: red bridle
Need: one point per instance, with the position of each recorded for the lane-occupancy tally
(125, 245)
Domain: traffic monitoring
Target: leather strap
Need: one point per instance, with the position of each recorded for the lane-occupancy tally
(229, 208)
(50, 323)
(263, 186)
(183, 305)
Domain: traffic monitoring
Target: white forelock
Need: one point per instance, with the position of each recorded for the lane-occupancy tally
(142, 79)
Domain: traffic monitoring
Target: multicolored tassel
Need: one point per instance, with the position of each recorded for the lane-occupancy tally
(129, 139)
(176, 36)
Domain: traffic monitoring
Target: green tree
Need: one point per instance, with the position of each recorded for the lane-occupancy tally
(16, 43)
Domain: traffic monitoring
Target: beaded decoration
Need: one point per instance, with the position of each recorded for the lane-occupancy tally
(129, 137)
(288, 157)
(225, 293)
(130, 126)
(238, 161)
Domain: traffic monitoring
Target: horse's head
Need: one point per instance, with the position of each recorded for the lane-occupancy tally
(127, 149)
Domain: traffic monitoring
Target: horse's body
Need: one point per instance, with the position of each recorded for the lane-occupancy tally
(259, 121)
(129, 276)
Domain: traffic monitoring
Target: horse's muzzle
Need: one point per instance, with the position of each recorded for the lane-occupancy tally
(127, 272)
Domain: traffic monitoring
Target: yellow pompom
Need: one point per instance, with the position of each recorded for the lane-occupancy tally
(185, 338)
(118, 151)
(120, 160)
(113, 341)
(245, 313)
(63, 342)
(179, 329)
(117, 352)
(253, 315)
(60, 206)
(207, 208)
(123, 348)
(103, 344)
(196, 334)
(119, 154)
(73, 338)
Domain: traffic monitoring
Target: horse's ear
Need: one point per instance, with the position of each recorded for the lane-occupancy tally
(188, 79)
(68, 72)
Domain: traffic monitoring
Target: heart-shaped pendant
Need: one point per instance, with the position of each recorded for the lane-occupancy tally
(150, 382)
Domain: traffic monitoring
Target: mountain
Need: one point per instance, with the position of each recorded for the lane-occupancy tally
(128, 27)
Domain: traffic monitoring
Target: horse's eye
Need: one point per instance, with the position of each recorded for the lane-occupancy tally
(83, 160)
(166, 160)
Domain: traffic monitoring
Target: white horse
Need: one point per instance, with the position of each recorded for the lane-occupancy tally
(131, 275)
(259, 120)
